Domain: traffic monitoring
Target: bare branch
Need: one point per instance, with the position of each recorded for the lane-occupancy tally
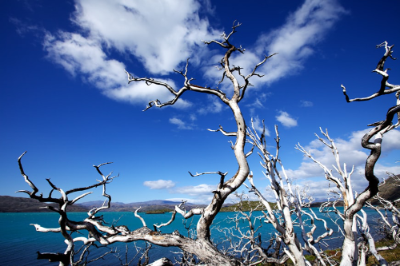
(253, 73)
(177, 94)
(230, 134)
(34, 188)
(225, 44)
(138, 216)
(208, 173)
(385, 76)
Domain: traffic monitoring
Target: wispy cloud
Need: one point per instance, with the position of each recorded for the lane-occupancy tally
(258, 126)
(179, 123)
(259, 101)
(193, 117)
(163, 34)
(159, 184)
(306, 104)
(160, 34)
(214, 106)
(192, 200)
(286, 119)
(196, 190)
(85, 57)
(24, 28)
(351, 153)
(195, 194)
(293, 42)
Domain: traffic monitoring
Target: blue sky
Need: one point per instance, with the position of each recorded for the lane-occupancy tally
(65, 97)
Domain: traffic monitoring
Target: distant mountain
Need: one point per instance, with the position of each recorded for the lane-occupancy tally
(146, 206)
(142, 203)
(390, 190)
(19, 204)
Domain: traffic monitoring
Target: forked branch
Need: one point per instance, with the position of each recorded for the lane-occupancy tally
(386, 87)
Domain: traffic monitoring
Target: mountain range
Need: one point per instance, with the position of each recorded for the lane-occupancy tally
(390, 190)
(20, 204)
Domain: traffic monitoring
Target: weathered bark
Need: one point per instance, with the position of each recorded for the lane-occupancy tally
(246, 242)
(349, 255)
(287, 202)
(364, 228)
(392, 228)
(208, 253)
(350, 249)
(352, 205)
(381, 71)
(202, 247)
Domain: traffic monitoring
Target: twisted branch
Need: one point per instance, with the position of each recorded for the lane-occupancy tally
(381, 71)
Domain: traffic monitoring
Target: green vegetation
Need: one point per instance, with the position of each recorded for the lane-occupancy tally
(246, 206)
(335, 254)
(158, 211)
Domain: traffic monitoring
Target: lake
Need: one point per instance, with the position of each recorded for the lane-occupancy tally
(20, 241)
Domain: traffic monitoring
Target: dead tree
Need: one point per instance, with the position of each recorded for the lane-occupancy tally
(360, 226)
(353, 204)
(244, 239)
(288, 202)
(202, 246)
(390, 227)
(349, 256)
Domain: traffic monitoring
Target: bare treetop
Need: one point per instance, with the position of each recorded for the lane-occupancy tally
(386, 87)
(292, 208)
(239, 90)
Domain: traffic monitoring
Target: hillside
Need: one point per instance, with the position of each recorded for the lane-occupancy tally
(19, 204)
(390, 190)
(146, 206)
(246, 206)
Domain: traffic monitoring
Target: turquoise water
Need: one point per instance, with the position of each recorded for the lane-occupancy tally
(19, 240)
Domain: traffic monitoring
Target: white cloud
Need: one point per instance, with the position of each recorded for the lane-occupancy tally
(257, 104)
(351, 153)
(259, 101)
(80, 55)
(293, 42)
(179, 123)
(193, 117)
(258, 126)
(202, 189)
(24, 28)
(306, 104)
(200, 194)
(214, 106)
(161, 34)
(192, 200)
(391, 141)
(159, 184)
(286, 119)
(350, 150)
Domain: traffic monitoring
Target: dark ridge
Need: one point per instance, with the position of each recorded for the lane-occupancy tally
(20, 204)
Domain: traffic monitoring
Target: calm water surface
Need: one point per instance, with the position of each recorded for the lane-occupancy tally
(19, 240)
